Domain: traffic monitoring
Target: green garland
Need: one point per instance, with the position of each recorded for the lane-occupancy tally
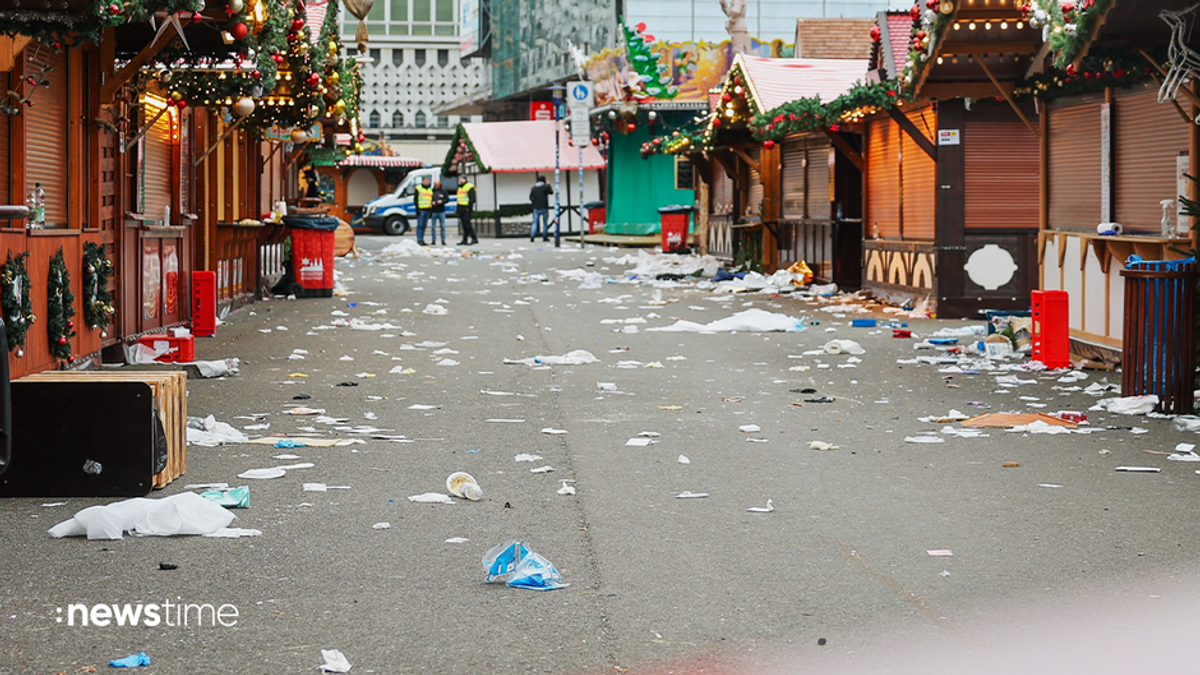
(929, 26)
(1068, 28)
(50, 27)
(16, 303)
(676, 143)
(809, 114)
(97, 300)
(1098, 71)
(60, 308)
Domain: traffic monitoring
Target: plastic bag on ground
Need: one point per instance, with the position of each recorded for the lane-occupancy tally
(536, 573)
(210, 433)
(405, 248)
(186, 513)
(335, 661)
(1127, 405)
(824, 289)
(503, 558)
(750, 321)
(1186, 423)
(131, 661)
(578, 357)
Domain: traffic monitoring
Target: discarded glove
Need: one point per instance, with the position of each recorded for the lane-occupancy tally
(131, 661)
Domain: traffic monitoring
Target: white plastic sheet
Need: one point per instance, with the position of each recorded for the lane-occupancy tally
(578, 357)
(1127, 405)
(213, 433)
(749, 321)
(186, 513)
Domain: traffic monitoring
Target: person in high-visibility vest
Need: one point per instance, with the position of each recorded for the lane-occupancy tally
(466, 206)
(424, 208)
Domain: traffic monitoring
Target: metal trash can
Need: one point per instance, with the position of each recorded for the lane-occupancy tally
(674, 226)
(312, 255)
(595, 215)
(1159, 347)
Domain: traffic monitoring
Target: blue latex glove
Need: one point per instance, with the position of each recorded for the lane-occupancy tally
(132, 661)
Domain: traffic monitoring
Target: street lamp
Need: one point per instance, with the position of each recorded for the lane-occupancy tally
(557, 92)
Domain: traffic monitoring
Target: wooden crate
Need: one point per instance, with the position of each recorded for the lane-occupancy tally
(170, 395)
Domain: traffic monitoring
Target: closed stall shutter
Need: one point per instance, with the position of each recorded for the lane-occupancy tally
(5, 149)
(1147, 139)
(721, 195)
(793, 178)
(156, 166)
(1074, 149)
(883, 179)
(920, 180)
(754, 202)
(46, 134)
(1000, 158)
(818, 180)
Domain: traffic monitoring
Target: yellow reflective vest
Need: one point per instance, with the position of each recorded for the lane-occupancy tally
(424, 197)
(464, 193)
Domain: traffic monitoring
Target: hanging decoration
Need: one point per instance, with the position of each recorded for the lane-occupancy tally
(809, 114)
(1066, 27)
(60, 308)
(97, 300)
(75, 27)
(20, 96)
(1099, 70)
(929, 24)
(360, 9)
(16, 303)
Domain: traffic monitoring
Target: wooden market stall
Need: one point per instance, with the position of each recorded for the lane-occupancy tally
(1114, 156)
(951, 174)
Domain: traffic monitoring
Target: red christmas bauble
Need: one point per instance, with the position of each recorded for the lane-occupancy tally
(70, 324)
(255, 74)
(297, 24)
(595, 141)
(640, 27)
(876, 34)
(62, 340)
(239, 31)
(181, 104)
(314, 79)
(716, 121)
(727, 97)
(197, 17)
(631, 127)
(70, 359)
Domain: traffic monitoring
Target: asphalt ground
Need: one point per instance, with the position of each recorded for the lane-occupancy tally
(1098, 575)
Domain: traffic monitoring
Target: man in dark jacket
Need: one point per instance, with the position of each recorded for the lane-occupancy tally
(437, 214)
(466, 206)
(540, 196)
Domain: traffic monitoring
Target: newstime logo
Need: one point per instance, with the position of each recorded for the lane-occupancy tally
(166, 613)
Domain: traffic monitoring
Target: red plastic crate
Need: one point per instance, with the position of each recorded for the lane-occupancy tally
(312, 260)
(179, 349)
(204, 303)
(674, 231)
(1051, 335)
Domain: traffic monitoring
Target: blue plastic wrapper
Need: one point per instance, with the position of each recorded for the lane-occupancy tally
(537, 574)
(504, 558)
(131, 661)
(233, 498)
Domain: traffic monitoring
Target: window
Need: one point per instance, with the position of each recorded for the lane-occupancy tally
(407, 17)
(397, 57)
(374, 54)
(443, 57)
(397, 119)
(419, 57)
(374, 121)
(443, 122)
(420, 119)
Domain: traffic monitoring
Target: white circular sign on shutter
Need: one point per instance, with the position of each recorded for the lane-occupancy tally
(991, 267)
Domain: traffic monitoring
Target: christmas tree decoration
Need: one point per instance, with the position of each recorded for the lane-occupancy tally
(97, 299)
(15, 301)
(653, 80)
(60, 307)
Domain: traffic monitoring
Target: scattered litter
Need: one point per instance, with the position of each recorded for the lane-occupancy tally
(335, 661)
(435, 310)
(230, 498)
(233, 533)
(542, 469)
(431, 498)
(749, 321)
(1138, 469)
(301, 410)
(843, 347)
(1049, 485)
(688, 494)
(131, 661)
(821, 445)
(567, 488)
(750, 428)
(1127, 405)
(924, 439)
(423, 406)
(1010, 465)
(381, 526)
(551, 431)
(683, 459)
(940, 553)
(763, 509)
(457, 540)
(528, 569)
(1185, 452)
(638, 442)
(1186, 423)
(578, 357)
(210, 433)
(186, 513)
(505, 420)
(463, 484)
(524, 457)
(1007, 420)
(322, 487)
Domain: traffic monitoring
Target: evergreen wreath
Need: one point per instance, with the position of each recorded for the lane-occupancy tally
(16, 303)
(97, 300)
(60, 308)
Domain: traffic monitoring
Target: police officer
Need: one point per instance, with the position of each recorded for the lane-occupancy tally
(424, 208)
(466, 206)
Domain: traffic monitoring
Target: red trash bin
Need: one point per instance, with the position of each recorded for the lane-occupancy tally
(595, 215)
(674, 226)
(312, 255)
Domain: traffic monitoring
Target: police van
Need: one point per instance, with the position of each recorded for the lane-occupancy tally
(396, 211)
